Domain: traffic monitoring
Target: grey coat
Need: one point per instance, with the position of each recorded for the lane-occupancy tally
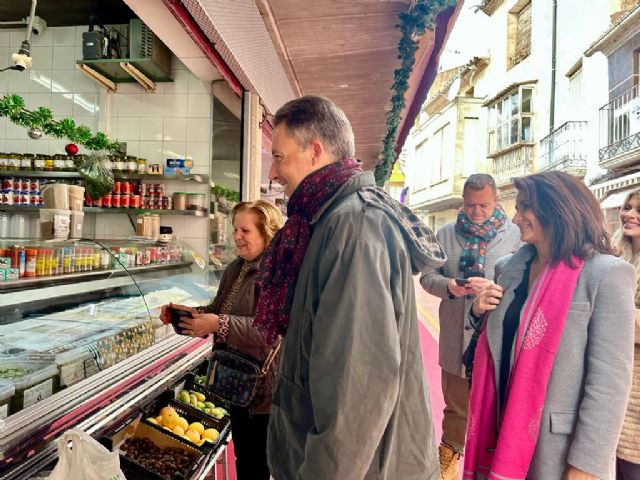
(351, 400)
(591, 376)
(454, 337)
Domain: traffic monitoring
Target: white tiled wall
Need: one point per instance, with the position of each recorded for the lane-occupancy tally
(174, 122)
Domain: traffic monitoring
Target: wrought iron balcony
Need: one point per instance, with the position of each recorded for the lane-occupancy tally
(620, 130)
(514, 162)
(564, 149)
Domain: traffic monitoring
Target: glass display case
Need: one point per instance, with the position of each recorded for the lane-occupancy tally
(81, 344)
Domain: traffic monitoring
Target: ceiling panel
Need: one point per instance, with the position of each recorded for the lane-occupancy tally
(61, 13)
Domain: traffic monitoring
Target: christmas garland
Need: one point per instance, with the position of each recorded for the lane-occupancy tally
(13, 107)
(413, 25)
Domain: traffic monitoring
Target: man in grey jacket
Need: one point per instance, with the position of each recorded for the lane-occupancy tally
(351, 398)
(473, 243)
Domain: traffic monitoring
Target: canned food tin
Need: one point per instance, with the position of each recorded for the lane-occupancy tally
(7, 183)
(17, 184)
(124, 201)
(134, 202)
(34, 198)
(117, 187)
(115, 200)
(98, 202)
(107, 201)
(25, 198)
(34, 184)
(7, 197)
(25, 184)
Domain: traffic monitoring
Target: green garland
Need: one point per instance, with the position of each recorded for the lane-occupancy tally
(13, 107)
(230, 195)
(412, 24)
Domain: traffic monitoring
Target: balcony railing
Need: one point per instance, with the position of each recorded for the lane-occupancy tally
(620, 126)
(565, 149)
(515, 162)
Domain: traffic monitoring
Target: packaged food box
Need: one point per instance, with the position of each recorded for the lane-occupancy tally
(33, 381)
(5, 262)
(7, 390)
(176, 171)
(9, 274)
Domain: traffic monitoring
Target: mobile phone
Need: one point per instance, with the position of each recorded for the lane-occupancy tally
(462, 281)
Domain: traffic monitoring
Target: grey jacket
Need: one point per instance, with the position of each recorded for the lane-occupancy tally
(591, 376)
(454, 337)
(351, 398)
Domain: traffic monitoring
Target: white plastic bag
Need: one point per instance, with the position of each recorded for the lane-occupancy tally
(85, 460)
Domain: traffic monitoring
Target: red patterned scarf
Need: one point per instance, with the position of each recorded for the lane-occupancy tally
(283, 257)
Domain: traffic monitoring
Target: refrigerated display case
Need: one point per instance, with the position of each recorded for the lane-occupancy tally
(82, 346)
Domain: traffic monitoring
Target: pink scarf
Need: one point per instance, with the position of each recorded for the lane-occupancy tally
(504, 452)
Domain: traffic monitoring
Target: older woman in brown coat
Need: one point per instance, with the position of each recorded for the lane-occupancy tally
(627, 240)
(230, 318)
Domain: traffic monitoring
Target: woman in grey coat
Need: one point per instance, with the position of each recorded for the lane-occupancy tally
(552, 369)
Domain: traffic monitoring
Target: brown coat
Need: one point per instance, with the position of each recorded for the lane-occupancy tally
(629, 446)
(241, 334)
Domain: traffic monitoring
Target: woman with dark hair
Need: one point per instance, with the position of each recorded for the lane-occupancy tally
(552, 368)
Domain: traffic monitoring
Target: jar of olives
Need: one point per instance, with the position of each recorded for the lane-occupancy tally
(131, 164)
(14, 161)
(26, 162)
(48, 163)
(4, 161)
(38, 162)
(69, 163)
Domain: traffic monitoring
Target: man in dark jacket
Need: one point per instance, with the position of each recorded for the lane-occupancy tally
(351, 399)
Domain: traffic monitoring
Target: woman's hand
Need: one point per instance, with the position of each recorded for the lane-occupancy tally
(165, 315)
(476, 285)
(200, 325)
(573, 473)
(488, 299)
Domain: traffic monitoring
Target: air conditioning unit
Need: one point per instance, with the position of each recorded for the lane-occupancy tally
(146, 47)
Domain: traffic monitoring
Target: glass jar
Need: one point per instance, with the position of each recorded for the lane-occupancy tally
(69, 163)
(38, 163)
(14, 161)
(4, 161)
(142, 166)
(48, 163)
(41, 258)
(107, 162)
(131, 164)
(59, 163)
(26, 162)
(118, 164)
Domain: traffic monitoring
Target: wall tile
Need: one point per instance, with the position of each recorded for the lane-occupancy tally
(57, 146)
(64, 36)
(4, 81)
(64, 58)
(5, 38)
(173, 150)
(175, 105)
(151, 129)
(200, 153)
(2, 141)
(37, 146)
(62, 81)
(130, 87)
(85, 104)
(199, 105)
(18, 81)
(175, 129)
(180, 82)
(152, 151)
(128, 128)
(41, 57)
(15, 132)
(62, 104)
(40, 81)
(39, 100)
(176, 222)
(128, 105)
(42, 39)
(17, 35)
(198, 86)
(90, 122)
(176, 64)
(152, 105)
(133, 148)
(15, 146)
(83, 84)
(199, 129)
(3, 128)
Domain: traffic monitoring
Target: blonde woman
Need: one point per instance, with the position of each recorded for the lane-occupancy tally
(627, 240)
(230, 318)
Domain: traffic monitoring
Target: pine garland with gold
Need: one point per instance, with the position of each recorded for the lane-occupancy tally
(412, 25)
(13, 107)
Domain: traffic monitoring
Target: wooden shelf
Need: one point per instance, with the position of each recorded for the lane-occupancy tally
(117, 175)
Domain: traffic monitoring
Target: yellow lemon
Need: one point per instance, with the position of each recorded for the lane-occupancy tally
(200, 396)
(210, 434)
(182, 422)
(197, 427)
(178, 430)
(193, 436)
(159, 420)
(166, 410)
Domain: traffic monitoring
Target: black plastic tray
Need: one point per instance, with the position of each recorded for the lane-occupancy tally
(191, 414)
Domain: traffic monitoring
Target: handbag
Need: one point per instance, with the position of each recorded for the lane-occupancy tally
(233, 377)
(236, 378)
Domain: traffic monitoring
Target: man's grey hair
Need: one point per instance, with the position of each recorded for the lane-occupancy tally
(478, 181)
(313, 117)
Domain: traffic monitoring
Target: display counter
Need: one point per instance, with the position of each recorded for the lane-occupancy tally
(81, 344)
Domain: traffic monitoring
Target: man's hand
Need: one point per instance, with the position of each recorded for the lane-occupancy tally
(476, 285)
(573, 473)
(201, 324)
(455, 289)
(488, 299)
